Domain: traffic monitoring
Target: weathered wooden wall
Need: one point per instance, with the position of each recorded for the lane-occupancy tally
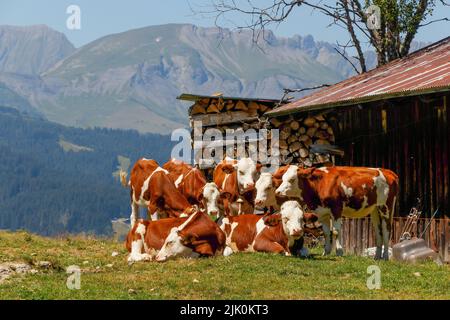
(357, 234)
(409, 136)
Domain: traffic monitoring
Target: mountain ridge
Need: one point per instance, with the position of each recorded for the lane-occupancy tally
(130, 80)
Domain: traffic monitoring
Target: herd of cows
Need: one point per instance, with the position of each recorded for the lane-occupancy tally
(191, 217)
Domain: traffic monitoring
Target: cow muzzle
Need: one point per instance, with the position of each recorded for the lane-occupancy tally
(160, 259)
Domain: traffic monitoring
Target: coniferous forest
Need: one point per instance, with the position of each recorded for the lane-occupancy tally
(55, 179)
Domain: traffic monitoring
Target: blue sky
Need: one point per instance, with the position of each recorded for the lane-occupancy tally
(103, 17)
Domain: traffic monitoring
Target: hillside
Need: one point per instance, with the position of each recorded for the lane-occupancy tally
(63, 180)
(241, 276)
(31, 49)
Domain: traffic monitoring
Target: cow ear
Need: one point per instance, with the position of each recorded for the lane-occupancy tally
(228, 168)
(188, 239)
(310, 217)
(276, 182)
(225, 195)
(204, 249)
(272, 220)
(258, 167)
(305, 173)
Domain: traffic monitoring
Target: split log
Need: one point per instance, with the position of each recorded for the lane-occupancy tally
(283, 144)
(213, 108)
(275, 122)
(309, 122)
(295, 146)
(252, 105)
(303, 152)
(320, 134)
(294, 125)
(263, 107)
(292, 139)
(229, 105)
(220, 104)
(323, 125)
(240, 106)
(302, 130)
(311, 131)
(304, 138)
(197, 108)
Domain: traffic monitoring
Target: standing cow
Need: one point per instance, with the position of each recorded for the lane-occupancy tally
(333, 192)
(151, 187)
(236, 181)
(192, 184)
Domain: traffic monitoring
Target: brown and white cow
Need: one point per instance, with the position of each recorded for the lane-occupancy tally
(192, 184)
(150, 186)
(193, 236)
(236, 181)
(334, 192)
(275, 233)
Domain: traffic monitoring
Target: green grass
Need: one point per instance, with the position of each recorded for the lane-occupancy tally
(241, 276)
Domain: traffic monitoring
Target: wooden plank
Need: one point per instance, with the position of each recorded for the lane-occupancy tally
(225, 118)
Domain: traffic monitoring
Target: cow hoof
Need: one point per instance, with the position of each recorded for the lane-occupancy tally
(227, 252)
(339, 252)
(146, 257)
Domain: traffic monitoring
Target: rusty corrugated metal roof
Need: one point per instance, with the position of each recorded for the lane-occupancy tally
(426, 70)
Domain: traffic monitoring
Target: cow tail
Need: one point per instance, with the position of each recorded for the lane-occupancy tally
(123, 177)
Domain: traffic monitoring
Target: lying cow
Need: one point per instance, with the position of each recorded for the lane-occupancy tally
(193, 236)
(236, 181)
(192, 184)
(333, 192)
(151, 187)
(276, 233)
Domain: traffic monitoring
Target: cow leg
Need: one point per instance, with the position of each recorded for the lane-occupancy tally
(134, 213)
(337, 236)
(270, 246)
(152, 211)
(325, 220)
(375, 217)
(138, 247)
(386, 231)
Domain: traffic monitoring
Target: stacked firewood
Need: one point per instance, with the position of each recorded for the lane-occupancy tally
(297, 135)
(218, 105)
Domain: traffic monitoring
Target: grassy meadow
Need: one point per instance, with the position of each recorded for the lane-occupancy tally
(240, 276)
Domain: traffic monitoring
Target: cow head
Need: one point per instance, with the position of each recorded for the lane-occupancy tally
(246, 170)
(197, 235)
(265, 191)
(289, 186)
(210, 197)
(174, 246)
(292, 219)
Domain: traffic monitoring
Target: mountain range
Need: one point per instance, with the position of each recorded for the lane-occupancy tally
(130, 80)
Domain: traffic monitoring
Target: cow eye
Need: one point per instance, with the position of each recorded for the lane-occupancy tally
(241, 172)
